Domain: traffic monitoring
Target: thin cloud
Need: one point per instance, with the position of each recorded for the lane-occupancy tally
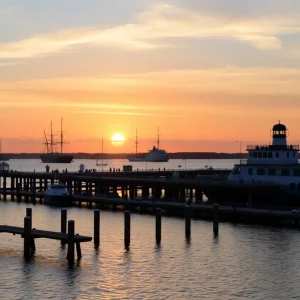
(125, 113)
(230, 80)
(161, 21)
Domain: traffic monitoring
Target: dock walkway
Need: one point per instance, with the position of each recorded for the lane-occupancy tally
(36, 233)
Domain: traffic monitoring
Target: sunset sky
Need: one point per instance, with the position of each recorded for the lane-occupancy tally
(208, 73)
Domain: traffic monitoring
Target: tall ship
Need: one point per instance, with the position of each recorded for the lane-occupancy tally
(274, 163)
(154, 155)
(52, 155)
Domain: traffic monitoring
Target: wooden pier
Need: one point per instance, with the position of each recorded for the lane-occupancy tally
(29, 235)
(185, 186)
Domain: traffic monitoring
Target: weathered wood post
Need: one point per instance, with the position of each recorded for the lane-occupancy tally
(18, 192)
(127, 228)
(33, 199)
(71, 238)
(29, 214)
(12, 185)
(78, 250)
(63, 223)
(4, 188)
(96, 227)
(158, 226)
(216, 219)
(27, 233)
(187, 215)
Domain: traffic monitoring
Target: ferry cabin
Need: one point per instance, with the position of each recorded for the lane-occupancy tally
(276, 163)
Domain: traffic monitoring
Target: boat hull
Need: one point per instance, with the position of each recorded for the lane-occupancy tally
(144, 159)
(58, 200)
(57, 158)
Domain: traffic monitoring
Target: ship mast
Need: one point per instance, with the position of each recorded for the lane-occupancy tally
(51, 139)
(136, 142)
(61, 137)
(46, 142)
(157, 137)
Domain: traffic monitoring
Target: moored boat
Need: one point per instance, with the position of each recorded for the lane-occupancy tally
(57, 195)
(154, 155)
(269, 177)
(52, 155)
(274, 163)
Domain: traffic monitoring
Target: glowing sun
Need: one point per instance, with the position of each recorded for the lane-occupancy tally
(117, 139)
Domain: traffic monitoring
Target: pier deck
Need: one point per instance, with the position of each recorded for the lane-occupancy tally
(36, 233)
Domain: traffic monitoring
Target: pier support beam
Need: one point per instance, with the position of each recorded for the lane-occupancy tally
(182, 195)
(175, 194)
(71, 238)
(4, 188)
(12, 184)
(27, 237)
(96, 227)
(157, 193)
(63, 223)
(199, 196)
(145, 192)
(216, 219)
(187, 214)
(127, 228)
(158, 225)
(131, 192)
(191, 195)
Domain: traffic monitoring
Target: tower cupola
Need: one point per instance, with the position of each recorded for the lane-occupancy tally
(279, 133)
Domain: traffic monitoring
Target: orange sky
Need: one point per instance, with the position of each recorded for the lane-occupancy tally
(205, 82)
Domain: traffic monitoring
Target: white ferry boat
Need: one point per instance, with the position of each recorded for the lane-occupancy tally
(154, 155)
(275, 163)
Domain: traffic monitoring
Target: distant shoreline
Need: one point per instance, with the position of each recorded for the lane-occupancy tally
(175, 155)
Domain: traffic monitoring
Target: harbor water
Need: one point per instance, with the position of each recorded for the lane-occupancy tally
(242, 262)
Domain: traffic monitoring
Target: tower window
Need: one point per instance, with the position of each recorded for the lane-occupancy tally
(296, 172)
(260, 171)
(288, 154)
(272, 172)
(270, 155)
(285, 172)
(277, 154)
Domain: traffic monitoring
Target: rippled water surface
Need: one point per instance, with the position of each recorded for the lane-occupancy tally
(243, 262)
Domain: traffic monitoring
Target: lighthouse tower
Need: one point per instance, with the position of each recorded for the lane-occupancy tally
(279, 132)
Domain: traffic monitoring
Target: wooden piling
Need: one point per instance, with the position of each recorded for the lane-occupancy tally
(4, 188)
(127, 228)
(78, 250)
(29, 214)
(27, 238)
(71, 233)
(158, 226)
(63, 222)
(96, 227)
(187, 215)
(216, 219)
